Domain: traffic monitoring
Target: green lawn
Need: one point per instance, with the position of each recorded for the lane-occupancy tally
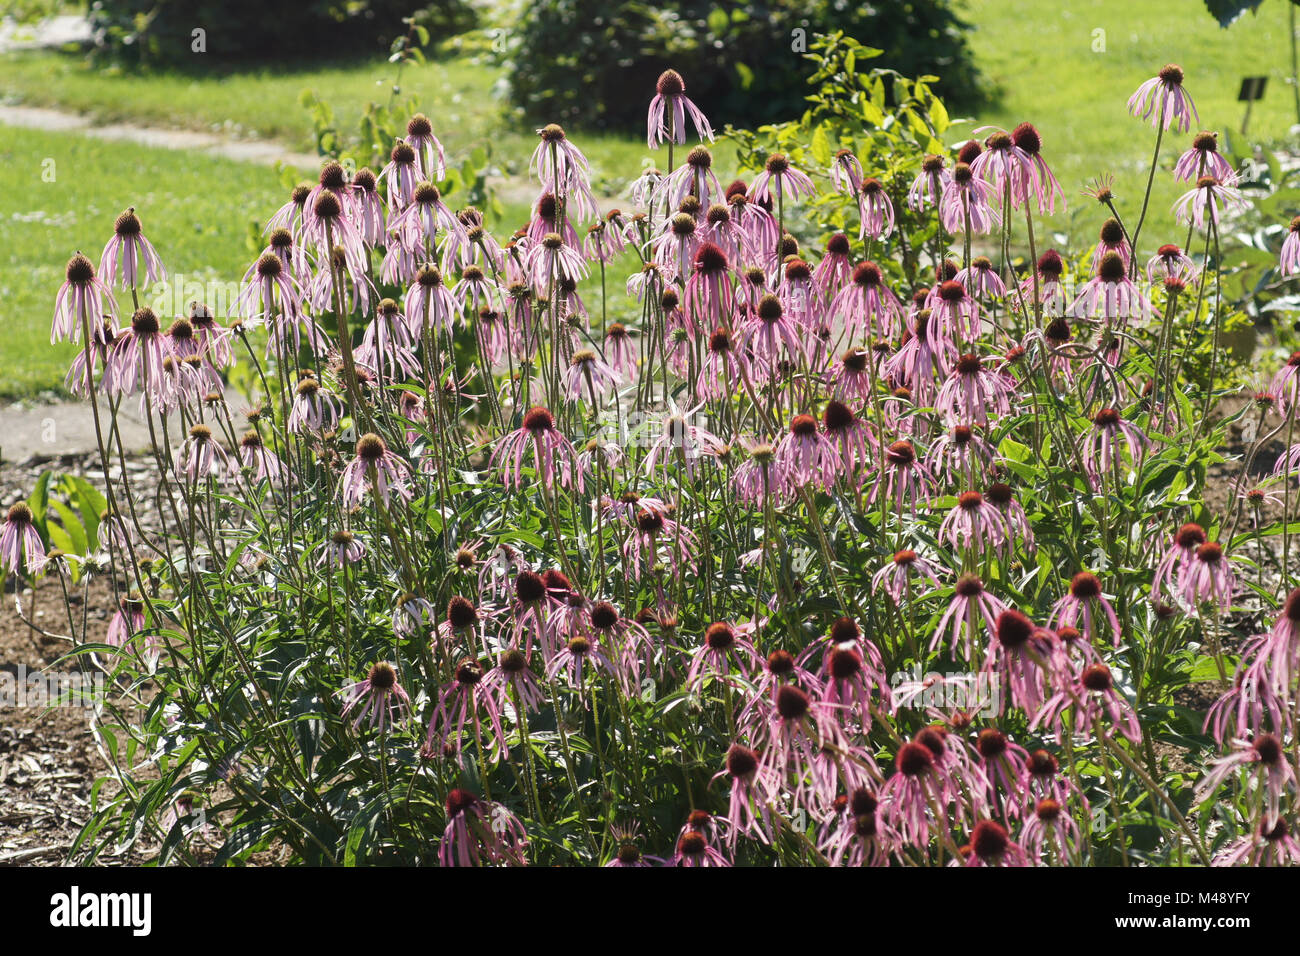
(196, 210)
(457, 94)
(1041, 55)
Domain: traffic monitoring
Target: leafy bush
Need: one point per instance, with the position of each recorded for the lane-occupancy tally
(590, 63)
(162, 31)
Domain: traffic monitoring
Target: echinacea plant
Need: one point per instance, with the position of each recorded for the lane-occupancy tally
(859, 530)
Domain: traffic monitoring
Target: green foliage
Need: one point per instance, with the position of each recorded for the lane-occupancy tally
(65, 512)
(162, 31)
(593, 63)
(1227, 12)
(382, 124)
(889, 121)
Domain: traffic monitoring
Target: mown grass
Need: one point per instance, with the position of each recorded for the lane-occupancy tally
(458, 94)
(196, 209)
(1041, 56)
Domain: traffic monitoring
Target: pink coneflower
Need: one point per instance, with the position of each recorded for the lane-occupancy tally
(796, 731)
(429, 304)
(680, 440)
(1289, 260)
(1111, 238)
(970, 605)
(128, 620)
(289, 216)
(991, 845)
(1263, 757)
(588, 377)
(1207, 578)
(1042, 183)
(920, 361)
(401, 174)
(1286, 384)
(896, 576)
(726, 648)
(513, 676)
(1203, 159)
(579, 657)
(850, 435)
(270, 289)
(1085, 606)
(675, 247)
(201, 457)
(1110, 293)
(981, 280)
(553, 455)
(851, 682)
(658, 542)
(427, 211)
(846, 173)
(1050, 833)
(798, 294)
(480, 833)
(630, 643)
(905, 477)
(1209, 201)
(754, 788)
(83, 296)
(1102, 444)
(974, 525)
(912, 792)
(1003, 762)
(693, 178)
(341, 549)
(460, 703)
(953, 314)
(694, 849)
(551, 260)
(328, 226)
(381, 699)
(1090, 697)
(375, 469)
(757, 477)
(769, 333)
(428, 151)
(129, 249)
(967, 203)
(867, 305)
(21, 549)
(560, 166)
(875, 210)
(629, 854)
(805, 456)
(1006, 167)
(972, 391)
(928, 187)
(1170, 262)
(999, 494)
(1265, 846)
(857, 834)
(721, 229)
(1021, 656)
(709, 296)
(621, 350)
(1163, 100)
(1050, 269)
(670, 101)
(368, 206)
(779, 180)
(314, 410)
